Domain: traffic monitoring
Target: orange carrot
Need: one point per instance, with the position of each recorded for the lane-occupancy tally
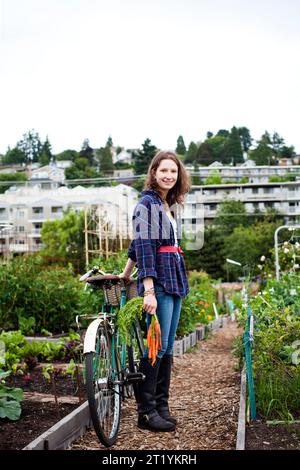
(154, 339)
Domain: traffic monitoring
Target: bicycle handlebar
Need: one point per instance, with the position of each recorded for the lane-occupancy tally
(96, 270)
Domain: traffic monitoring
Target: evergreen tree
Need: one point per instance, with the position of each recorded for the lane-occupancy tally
(109, 142)
(191, 154)
(205, 154)
(181, 148)
(104, 156)
(46, 154)
(223, 133)
(246, 139)
(234, 151)
(142, 158)
(31, 145)
(277, 144)
(87, 152)
(262, 154)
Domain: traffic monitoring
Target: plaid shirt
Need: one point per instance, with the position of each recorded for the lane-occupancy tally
(152, 228)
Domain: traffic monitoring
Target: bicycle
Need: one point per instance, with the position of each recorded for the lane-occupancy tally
(111, 367)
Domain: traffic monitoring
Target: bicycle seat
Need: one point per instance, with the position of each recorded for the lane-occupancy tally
(106, 280)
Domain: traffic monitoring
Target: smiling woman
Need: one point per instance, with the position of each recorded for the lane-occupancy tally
(162, 281)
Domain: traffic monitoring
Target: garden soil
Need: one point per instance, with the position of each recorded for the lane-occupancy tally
(204, 396)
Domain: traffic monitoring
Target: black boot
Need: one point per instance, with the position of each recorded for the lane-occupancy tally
(148, 416)
(162, 388)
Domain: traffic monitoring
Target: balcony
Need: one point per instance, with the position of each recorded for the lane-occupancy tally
(20, 248)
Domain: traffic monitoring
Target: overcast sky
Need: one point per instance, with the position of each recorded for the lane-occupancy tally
(132, 69)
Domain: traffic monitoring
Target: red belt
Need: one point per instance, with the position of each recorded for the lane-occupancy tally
(170, 249)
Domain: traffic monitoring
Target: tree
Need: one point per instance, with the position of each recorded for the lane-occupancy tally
(80, 169)
(205, 154)
(46, 153)
(218, 146)
(181, 148)
(248, 244)
(67, 155)
(262, 154)
(64, 238)
(209, 135)
(234, 151)
(87, 152)
(14, 156)
(287, 152)
(104, 156)
(223, 133)
(246, 139)
(109, 142)
(231, 214)
(210, 258)
(191, 154)
(31, 145)
(142, 158)
(276, 144)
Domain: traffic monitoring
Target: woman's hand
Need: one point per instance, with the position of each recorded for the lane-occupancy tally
(124, 275)
(150, 304)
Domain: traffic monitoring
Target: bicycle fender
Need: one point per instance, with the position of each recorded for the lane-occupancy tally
(89, 344)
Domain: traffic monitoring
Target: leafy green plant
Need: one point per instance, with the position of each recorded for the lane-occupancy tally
(10, 398)
(132, 310)
(276, 348)
(27, 325)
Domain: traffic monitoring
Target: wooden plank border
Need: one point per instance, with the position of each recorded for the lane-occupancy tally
(241, 431)
(64, 432)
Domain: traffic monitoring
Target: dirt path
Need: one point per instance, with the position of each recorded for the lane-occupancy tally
(204, 397)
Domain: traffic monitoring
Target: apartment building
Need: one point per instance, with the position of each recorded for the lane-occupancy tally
(23, 210)
(203, 201)
(255, 174)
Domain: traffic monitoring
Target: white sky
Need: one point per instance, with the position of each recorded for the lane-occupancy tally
(132, 69)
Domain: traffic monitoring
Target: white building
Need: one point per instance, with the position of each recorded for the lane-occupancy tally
(202, 202)
(255, 174)
(27, 208)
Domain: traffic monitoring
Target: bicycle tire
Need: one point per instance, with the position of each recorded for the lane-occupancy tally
(135, 352)
(103, 394)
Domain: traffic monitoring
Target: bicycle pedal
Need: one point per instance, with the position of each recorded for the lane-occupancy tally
(133, 377)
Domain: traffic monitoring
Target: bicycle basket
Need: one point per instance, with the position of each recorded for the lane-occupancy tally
(113, 292)
(131, 289)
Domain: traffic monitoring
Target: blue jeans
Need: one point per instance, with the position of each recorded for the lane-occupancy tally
(168, 313)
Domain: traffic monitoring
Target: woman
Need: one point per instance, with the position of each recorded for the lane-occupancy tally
(162, 279)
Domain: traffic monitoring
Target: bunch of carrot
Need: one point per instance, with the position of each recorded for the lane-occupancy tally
(154, 339)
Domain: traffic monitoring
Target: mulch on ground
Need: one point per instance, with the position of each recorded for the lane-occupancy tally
(205, 392)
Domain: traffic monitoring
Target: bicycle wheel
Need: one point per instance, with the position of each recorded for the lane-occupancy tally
(135, 352)
(103, 388)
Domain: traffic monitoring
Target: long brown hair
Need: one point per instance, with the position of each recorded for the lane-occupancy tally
(182, 186)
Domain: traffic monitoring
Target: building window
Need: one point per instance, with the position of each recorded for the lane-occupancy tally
(193, 221)
(21, 228)
(56, 210)
(37, 210)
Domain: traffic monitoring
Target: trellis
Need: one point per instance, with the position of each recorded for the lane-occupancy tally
(102, 238)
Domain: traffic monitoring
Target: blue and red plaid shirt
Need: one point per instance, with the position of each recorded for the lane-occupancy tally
(152, 229)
